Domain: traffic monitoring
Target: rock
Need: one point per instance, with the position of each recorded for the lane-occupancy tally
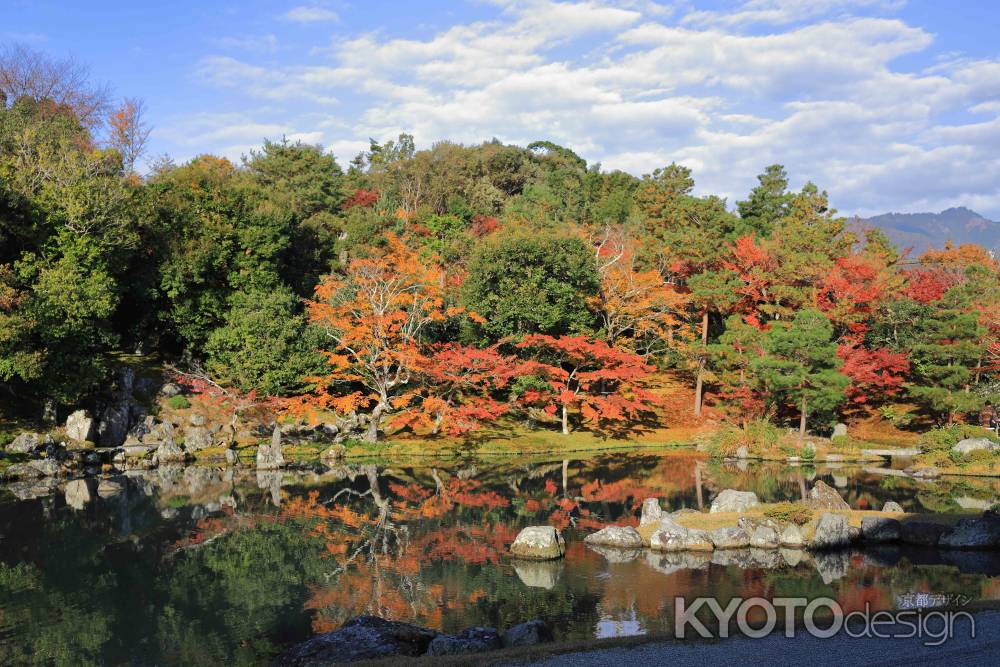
(651, 511)
(974, 445)
(197, 438)
(31, 489)
(839, 430)
(109, 488)
(792, 557)
(730, 538)
(169, 452)
(113, 428)
(333, 454)
(734, 501)
(923, 533)
(137, 450)
(623, 537)
(539, 573)
(232, 458)
(879, 530)
(538, 543)
(470, 640)
(832, 565)
(832, 532)
(80, 426)
(613, 554)
(893, 506)
(526, 634)
(765, 537)
(269, 457)
(197, 420)
(26, 443)
(742, 452)
(973, 533)
(79, 492)
(361, 638)
(689, 540)
(824, 497)
(791, 536)
(170, 389)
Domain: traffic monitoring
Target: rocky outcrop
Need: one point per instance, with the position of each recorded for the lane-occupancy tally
(824, 497)
(730, 500)
(470, 640)
(975, 445)
(538, 543)
(622, 537)
(269, 457)
(80, 426)
(361, 638)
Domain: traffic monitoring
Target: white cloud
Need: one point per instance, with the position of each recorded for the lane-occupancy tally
(634, 87)
(310, 14)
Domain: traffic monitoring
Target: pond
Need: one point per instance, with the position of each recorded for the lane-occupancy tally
(209, 566)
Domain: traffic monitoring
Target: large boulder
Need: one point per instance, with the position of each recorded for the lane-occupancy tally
(651, 511)
(893, 506)
(623, 537)
(169, 452)
(526, 634)
(824, 497)
(361, 638)
(538, 543)
(839, 430)
(79, 492)
(34, 469)
(730, 500)
(113, 428)
(922, 533)
(80, 426)
(470, 640)
(765, 537)
(197, 438)
(973, 533)
(26, 443)
(791, 536)
(880, 529)
(730, 538)
(832, 532)
(269, 457)
(974, 445)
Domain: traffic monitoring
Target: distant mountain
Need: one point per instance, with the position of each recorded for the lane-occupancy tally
(926, 230)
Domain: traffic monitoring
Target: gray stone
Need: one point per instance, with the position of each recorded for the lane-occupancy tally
(839, 430)
(973, 533)
(923, 533)
(526, 634)
(689, 540)
(470, 640)
(113, 427)
(832, 532)
(538, 543)
(791, 536)
(730, 538)
(136, 450)
(893, 506)
(742, 452)
(79, 492)
(26, 443)
(878, 529)
(764, 537)
(170, 389)
(824, 497)
(197, 438)
(333, 454)
(197, 420)
(734, 501)
(169, 452)
(232, 458)
(623, 537)
(539, 573)
(651, 511)
(269, 457)
(974, 445)
(80, 426)
(361, 638)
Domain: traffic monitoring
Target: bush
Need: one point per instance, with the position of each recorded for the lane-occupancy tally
(179, 402)
(789, 513)
(759, 436)
(943, 438)
(808, 452)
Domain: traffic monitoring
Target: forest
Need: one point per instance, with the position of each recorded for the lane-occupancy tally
(440, 289)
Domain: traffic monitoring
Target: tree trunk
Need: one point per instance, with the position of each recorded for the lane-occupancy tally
(371, 434)
(802, 419)
(700, 382)
(565, 420)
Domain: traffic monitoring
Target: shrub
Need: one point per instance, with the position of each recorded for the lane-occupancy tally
(808, 452)
(789, 513)
(758, 436)
(943, 438)
(179, 402)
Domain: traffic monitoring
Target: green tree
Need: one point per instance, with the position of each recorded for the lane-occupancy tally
(801, 365)
(524, 284)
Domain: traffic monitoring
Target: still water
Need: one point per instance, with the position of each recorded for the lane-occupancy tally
(209, 566)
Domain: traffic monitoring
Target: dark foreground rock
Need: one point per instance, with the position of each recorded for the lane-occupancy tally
(361, 638)
(470, 640)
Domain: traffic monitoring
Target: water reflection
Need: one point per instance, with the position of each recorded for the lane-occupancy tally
(200, 565)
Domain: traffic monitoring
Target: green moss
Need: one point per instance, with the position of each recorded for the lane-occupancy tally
(179, 402)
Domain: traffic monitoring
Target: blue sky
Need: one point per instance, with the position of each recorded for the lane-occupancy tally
(890, 105)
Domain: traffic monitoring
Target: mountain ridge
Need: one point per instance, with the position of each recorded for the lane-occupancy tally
(921, 231)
